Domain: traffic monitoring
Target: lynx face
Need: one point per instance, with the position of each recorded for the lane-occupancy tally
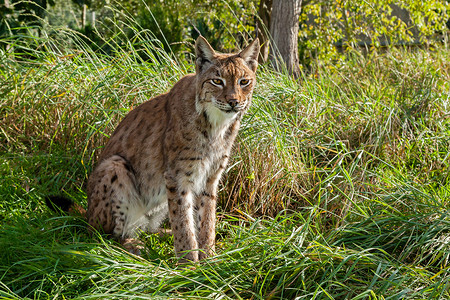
(224, 82)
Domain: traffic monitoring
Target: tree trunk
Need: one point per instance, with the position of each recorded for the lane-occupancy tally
(83, 15)
(284, 27)
(93, 18)
(263, 22)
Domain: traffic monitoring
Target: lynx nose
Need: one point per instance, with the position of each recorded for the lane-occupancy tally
(233, 102)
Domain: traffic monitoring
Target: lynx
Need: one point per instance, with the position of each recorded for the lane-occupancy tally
(167, 155)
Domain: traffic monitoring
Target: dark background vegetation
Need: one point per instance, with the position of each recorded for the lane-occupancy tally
(327, 28)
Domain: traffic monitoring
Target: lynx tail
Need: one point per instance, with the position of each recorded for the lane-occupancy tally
(61, 204)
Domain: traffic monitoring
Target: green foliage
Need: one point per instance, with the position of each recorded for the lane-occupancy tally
(328, 27)
(21, 13)
(338, 186)
(226, 24)
(164, 20)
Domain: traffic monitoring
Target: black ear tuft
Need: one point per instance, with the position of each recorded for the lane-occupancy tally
(204, 53)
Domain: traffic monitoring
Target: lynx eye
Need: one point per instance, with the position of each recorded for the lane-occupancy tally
(244, 82)
(216, 81)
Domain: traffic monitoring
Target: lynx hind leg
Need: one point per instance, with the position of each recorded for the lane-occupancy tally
(111, 189)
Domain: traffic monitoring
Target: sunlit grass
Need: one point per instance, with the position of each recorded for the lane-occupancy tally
(338, 186)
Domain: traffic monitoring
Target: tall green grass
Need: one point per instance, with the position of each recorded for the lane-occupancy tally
(338, 187)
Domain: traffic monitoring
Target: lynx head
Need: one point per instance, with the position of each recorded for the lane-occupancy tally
(224, 81)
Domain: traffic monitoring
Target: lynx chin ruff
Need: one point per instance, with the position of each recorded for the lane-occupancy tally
(167, 155)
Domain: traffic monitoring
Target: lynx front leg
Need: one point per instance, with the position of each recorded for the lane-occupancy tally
(206, 204)
(181, 213)
(206, 224)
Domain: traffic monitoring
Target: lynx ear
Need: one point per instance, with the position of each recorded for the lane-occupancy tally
(250, 54)
(204, 53)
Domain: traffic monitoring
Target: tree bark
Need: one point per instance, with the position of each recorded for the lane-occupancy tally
(264, 11)
(83, 15)
(284, 27)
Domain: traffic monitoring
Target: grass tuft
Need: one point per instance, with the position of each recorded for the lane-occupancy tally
(338, 186)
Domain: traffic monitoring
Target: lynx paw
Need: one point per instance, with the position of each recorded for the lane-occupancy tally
(133, 246)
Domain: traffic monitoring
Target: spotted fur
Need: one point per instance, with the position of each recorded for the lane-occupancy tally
(167, 155)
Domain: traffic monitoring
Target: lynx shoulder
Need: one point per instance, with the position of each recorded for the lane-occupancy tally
(167, 155)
